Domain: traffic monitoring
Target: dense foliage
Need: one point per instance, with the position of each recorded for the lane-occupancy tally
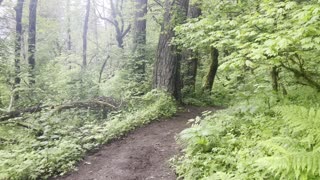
(60, 108)
(252, 141)
(76, 74)
(269, 76)
(65, 138)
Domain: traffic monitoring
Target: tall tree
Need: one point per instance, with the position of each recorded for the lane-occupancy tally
(32, 35)
(69, 42)
(139, 37)
(85, 34)
(190, 57)
(166, 74)
(17, 50)
(212, 70)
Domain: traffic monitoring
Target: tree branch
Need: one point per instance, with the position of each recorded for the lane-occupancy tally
(126, 31)
(303, 75)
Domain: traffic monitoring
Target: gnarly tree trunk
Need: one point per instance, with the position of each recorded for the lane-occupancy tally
(166, 74)
(116, 13)
(212, 70)
(85, 34)
(117, 20)
(190, 59)
(17, 50)
(275, 78)
(139, 38)
(32, 37)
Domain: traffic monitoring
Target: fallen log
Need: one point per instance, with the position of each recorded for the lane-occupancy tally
(19, 113)
(92, 104)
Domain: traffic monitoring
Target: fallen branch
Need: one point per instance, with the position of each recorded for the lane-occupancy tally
(91, 104)
(19, 113)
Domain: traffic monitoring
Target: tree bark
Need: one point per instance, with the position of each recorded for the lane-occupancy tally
(32, 37)
(212, 70)
(85, 34)
(139, 38)
(17, 50)
(166, 73)
(190, 59)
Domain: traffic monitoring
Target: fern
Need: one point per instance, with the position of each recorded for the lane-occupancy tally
(296, 165)
(296, 153)
(284, 144)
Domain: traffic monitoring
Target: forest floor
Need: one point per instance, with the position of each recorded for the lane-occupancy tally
(141, 155)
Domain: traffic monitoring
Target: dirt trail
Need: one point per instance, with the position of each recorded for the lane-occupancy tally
(142, 155)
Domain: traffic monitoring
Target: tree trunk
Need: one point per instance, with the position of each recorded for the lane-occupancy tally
(69, 42)
(166, 74)
(139, 38)
(102, 68)
(116, 13)
(191, 57)
(190, 64)
(212, 70)
(275, 77)
(117, 20)
(85, 34)
(17, 50)
(32, 37)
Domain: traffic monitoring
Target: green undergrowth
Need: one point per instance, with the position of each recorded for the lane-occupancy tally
(255, 139)
(65, 138)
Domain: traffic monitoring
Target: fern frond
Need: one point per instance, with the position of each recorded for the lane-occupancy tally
(302, 120)
(296, 164)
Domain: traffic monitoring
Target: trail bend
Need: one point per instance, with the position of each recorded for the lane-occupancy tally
(141, 155)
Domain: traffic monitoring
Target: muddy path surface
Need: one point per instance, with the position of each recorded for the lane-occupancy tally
(141, 155)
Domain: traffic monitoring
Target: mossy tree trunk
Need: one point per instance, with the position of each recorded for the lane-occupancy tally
(191, 57)
(139, 38)
(17, 50)
(214, 64)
